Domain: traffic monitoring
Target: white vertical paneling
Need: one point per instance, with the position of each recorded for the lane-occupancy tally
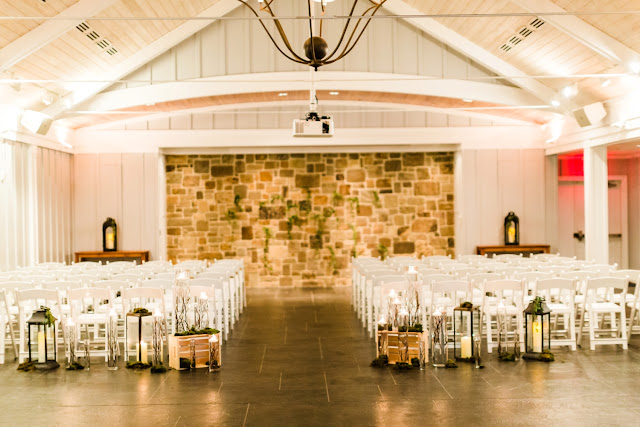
(381, 45)
(86, 203)
(488, 188)
(431, 57)
(161, 208)
(141, 77)
(213, 50)
(238, 57)
(121, 186)
(163, 68)
(109, 194)
(533, 220)
(405, 59)
(130, 225)
(161, 123)
(202, 121)
(510, 182)
(551, 202)
(188, 58)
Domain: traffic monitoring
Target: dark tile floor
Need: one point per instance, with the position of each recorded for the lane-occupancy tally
(299, 357)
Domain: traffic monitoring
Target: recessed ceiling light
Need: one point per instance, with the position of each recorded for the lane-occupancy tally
(605, 83)
(334, 93)
(555, 103)
(635, 67)
(283, 94)
(467, 99)
(569, 91)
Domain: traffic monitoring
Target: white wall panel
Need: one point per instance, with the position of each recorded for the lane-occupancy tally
(121, 186)
(495, 182)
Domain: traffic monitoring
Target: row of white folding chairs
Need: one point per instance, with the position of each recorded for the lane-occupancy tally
(63, 304)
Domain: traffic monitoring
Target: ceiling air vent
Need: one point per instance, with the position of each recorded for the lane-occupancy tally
(100, 41)
(521, 34)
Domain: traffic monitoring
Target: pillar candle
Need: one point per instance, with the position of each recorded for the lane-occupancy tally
(465, 347)
(41, 348)
(143, 350)
(537, 337)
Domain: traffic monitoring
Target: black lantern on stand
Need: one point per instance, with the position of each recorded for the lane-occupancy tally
(41, 321)
(109, 235)
(537, 334)
(511, 229)
(463, 342)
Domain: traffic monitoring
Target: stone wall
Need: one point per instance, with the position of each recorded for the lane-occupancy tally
(297, 218)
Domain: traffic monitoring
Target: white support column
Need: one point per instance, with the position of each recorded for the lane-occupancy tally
(162, 208)
(596, 209)
(458, 205)
(551, 199)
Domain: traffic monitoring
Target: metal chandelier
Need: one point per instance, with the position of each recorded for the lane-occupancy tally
(316, 49)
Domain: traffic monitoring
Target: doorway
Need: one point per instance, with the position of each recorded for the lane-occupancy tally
(571, 219)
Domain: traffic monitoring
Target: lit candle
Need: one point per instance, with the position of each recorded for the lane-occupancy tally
(465, 347)
(41, 348)
(143, 351)
(203, 296)
(392, 294)
(537, 337)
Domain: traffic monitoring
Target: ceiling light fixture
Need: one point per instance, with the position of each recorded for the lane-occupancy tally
(635, 67)
(569, 91)
(283, 94)
(555, 103)
(467, 99)
(605, 83)
(334, 93)
(316, 48)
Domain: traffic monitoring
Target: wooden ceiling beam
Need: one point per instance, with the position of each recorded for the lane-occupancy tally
(49, 31)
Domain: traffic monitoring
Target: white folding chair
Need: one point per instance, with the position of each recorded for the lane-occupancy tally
(560, 298)
(214, 316)
(509, 293)
(222, 299)
(631, 299)
(29, 300)
(398, 281)
(224, 275)
(8, 317)
(89, 308)
(150, 298)
(600, 301)
(169, 275)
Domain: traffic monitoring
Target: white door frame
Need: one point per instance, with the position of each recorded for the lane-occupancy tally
(625, 212)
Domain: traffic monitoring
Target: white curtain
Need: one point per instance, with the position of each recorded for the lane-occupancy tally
(35, 205)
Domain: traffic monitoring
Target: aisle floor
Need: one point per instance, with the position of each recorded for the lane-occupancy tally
(300, 357)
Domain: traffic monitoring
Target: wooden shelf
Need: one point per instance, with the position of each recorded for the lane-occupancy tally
(138, 256)
(526, 250)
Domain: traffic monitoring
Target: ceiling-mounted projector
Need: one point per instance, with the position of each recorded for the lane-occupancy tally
(313, 125)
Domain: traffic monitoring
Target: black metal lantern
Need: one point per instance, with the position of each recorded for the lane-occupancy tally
(41, 320)
(463, 342)
(109, 235)
(537, 335)
(511, 229)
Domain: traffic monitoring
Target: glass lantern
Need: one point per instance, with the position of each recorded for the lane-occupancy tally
(511, 229)
(41, 324)
(463, 343)
(109, 235)
(135, 320)
(181, 298)
(537, 334)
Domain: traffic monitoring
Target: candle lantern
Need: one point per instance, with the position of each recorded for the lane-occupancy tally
(463, 343)
(41, 322)
(109, 235)
(112, 341)
(214, 350)
(142, 350)
(511, 229)
(537, 336)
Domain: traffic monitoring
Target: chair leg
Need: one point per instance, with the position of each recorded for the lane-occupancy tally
(623, 327)
(631, 321)
(489, 339)
(593, 319)
(581, 327)
(3, 333)
(13, 337)
(572, 330)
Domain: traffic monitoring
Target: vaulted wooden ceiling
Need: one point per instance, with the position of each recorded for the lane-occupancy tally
(89, 48)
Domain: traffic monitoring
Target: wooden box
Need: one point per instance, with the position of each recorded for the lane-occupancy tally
(180, 347)
(394, 345)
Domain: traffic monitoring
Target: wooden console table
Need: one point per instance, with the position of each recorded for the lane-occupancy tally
(525, 250)
(137, 256)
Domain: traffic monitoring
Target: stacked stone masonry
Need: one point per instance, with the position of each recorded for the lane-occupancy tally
(296, 219)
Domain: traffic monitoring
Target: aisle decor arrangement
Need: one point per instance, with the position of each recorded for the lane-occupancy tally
(400, 339)
(466, 342)
(44, 325)
(537, 334)
(504, 325)
(192, 349)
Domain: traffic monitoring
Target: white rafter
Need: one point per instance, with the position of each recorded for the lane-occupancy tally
(298, 80)
(590, 36)
(473, 51)
(143, 56)
(48, 32)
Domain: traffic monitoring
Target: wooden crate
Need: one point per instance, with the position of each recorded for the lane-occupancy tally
(392, 343)
(180, 347)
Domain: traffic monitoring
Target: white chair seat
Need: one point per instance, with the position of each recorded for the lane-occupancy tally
(510, 310)
(605, 307)
(91, 318)
(559, 308)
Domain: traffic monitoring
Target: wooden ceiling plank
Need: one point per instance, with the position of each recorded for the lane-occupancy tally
(47, 32)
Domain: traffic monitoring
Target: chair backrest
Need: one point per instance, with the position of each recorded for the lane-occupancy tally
(428, 279)
(31, 299)
(131, 278)
(543, 257)
(456, 291)
(530, 277)
(81, 299)
(470, 258)
(87, 265)
(632, 275)
(36, 279)
(601, 268)
(556, 289)
(463, 273)
(554, 269)
(111, 284)
(158, 283)
(85, 279)
(123, 264)
(212, 275)
(169, 275)
(396, 279)
(141, 297)
(505, 289)
(478, 278)
(453, 266)
(62, 285)
(210, 282)
(505, 257)
(51, 265)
